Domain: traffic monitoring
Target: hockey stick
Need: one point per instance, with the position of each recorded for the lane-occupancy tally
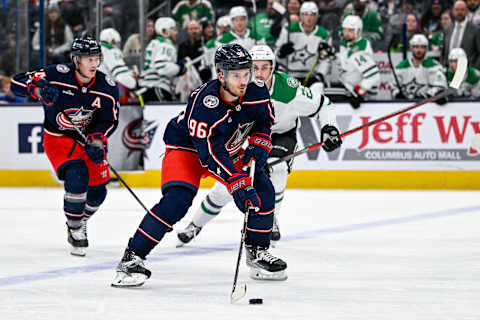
(389, 55)
(254, 3)
(108, 163)
(238, 292)
(309, 74)
(455, 84)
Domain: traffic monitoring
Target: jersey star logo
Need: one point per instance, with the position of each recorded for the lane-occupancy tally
(302, 55)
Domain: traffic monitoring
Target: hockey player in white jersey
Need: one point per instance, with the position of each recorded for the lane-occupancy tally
(420, 77)
(300, 47)
(470, 86)
(290, 100)
(113, 63)
(239, 33)
(161, 66)
(359, 72)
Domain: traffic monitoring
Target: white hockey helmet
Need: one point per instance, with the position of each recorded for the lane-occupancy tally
(224, 21)
(110, 35)
(238, 11)
(309, 7)
(456, 53)
(419, 40)
(164, 25)
(263, 52)
(352, 22)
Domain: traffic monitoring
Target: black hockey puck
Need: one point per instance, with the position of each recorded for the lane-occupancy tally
(255, 301)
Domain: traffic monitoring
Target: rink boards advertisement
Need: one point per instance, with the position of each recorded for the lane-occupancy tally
(426, 148)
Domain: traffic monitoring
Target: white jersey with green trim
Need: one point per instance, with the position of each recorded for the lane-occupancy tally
(358, 67)
(300, 62)
(292, 100)
(160, 66)
(114, 66)
(424, 80)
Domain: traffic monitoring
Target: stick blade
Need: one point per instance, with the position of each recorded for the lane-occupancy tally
(238, 293)
(462, 64)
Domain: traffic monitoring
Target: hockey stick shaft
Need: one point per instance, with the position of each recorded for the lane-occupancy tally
(389, 55)
(108, 163)
(238, 293)
(455, 84)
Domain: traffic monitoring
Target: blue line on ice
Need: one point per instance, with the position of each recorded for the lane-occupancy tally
(7, 281)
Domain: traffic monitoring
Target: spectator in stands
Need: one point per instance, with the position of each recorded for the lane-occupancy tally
(396, 21)
(470, 86)
(387, 8)
(436, 39)
(430, 20)
(7, 57)
(187, 10)
(474, 11)
(208, 30)
(133, 47)
(58, 37)
(72, 15)
(372, 25)
(462, 34)
(293, 9)
(193, 47)
(161, 65)
(223, 25)
(9, 96)
(262, 22)
(419, 77)
(412, 26)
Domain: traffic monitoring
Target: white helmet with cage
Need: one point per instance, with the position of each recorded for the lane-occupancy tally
(110, 35)
(456, 53)
(238, 11)
(164, 25)
(309, 7)
(419, 40)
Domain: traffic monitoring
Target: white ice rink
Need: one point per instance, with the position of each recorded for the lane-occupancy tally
(350, 254)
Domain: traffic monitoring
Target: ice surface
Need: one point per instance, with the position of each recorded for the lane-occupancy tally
(350, 254)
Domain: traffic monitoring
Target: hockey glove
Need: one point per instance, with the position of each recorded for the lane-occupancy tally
(330, 138)
(286, 49)
(96, 147)
(325, 51)
(259, 147)
(39, 88)
(182, 68)
(240, 187)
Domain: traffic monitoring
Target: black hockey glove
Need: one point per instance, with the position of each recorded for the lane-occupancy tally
(355, 102)
(400, 95)
(259, 147)
(245, 196)
(41, 89)
(442, 101)
(286, 49)
(182, 67)
(96, 147)
(330, 138)
(325, 51)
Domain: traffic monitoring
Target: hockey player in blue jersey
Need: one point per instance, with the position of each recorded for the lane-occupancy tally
(76, 94)
(206, 140)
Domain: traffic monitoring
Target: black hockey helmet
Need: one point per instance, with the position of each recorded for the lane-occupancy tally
(85, 47)
(232, 57)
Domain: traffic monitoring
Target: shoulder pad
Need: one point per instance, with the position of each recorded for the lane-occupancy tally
(62, 68)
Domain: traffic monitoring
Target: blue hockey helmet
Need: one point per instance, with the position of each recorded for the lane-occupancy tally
(85, 47)
(232, 57)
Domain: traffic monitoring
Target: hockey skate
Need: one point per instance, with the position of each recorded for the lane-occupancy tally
(131, 271)
(77, 237)
(265, 266)
(185, 236)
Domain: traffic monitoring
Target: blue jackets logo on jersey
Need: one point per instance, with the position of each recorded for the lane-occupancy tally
(237, 139)
(80, 118)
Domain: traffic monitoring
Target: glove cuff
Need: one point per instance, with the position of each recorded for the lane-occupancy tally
(261, 140)
(238, 181)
